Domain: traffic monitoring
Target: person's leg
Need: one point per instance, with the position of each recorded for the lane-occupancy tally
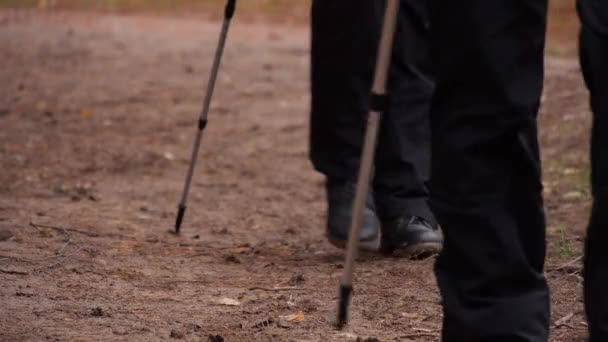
(343, 46)
(345, 36)
(486, 185)
(403, 152)
(593, 58)
(344, 41)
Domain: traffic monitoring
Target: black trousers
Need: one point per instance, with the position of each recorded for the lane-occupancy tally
(594, 63)
(486, 188)
(345, 37)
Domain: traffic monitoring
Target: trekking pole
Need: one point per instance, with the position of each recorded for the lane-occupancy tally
(378, 104)
(202, 123)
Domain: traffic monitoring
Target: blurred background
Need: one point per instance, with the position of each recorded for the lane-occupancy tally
(563, 23)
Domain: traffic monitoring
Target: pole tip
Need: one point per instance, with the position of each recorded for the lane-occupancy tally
(181, 210)
(230, 9)
(345, 296)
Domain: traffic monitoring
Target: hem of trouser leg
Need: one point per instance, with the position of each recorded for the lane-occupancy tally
(332, 170)
(390, 208)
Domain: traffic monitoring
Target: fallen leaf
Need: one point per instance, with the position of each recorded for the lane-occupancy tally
(86, 113)
(573, 195)
(240, 250)
(228, 301)
(296, 317)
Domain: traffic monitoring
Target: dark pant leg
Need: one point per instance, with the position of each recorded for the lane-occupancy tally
(594, 63)
(343, 46)
(486, 185)
(403, 153)
(345, 38)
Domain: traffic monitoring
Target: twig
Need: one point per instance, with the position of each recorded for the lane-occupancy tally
(16, 259)
(564, 321)
(421, 334)
(61, 258)
(13, 272)
(276, 289)
(197, 255)
(60, 251)
(63, 229)
(186, 282)
(567, 267)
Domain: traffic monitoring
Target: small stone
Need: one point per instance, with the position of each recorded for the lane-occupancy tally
(97, 312)
(194, 327)
(152, 239)
(177, 334)
(296, 279)
(282, 323)
(120, 331)
(215, 338)
(367, 339)
(232, 259)
(5, 235)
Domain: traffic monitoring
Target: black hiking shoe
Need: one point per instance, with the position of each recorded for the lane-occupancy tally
(411, 235)
(340, 198)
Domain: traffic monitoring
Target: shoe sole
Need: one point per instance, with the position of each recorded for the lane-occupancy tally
(370, 246)
(419, 250)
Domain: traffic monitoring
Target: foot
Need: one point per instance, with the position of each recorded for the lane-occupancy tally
(340, 198)
(412, 235)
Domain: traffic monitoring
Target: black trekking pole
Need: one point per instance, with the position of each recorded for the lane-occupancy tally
(378, 104)
(202, 123)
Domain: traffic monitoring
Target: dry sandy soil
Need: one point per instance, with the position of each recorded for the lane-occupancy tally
(98, 115)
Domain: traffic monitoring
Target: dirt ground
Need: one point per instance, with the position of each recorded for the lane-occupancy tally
(98, 115)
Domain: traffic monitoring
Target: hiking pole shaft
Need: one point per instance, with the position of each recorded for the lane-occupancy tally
(378, 103)
(202, 123)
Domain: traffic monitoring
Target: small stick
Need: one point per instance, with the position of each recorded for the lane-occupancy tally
(16, 259)
(564, 320)
(422, 334)
(13, 272)
(63, 229)
(567, 266)
(276, 289)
